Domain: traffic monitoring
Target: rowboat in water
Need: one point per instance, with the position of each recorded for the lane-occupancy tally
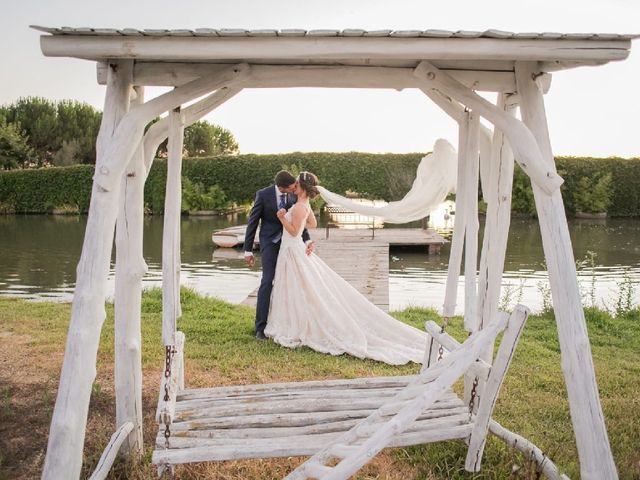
(232, 237)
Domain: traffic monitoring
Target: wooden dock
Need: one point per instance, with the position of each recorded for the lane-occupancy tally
(394, 237)
(399, 237)
(363, 261)
(366, 268)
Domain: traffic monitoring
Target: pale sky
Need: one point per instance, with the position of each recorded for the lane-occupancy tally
(593, 111)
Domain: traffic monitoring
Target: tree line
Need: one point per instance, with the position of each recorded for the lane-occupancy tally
(36, 132)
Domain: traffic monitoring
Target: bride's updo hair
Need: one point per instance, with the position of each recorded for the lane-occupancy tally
(308, 182)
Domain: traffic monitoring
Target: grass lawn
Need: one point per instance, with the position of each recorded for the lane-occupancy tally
(220, 350)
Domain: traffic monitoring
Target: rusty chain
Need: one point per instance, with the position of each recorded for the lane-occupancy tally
(169, 351)
(168, 356)
(472, 399)
(167, 435)
(445, 324)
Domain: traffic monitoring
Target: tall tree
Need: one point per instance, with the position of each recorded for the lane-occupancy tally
(60, 133)
(203, 139)
(36, 118)
(64, 133)
(78, 124)
(14, 150)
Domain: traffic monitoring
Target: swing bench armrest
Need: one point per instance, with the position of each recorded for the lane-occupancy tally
(479, 368)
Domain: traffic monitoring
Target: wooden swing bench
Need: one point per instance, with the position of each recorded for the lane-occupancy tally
(348, 421)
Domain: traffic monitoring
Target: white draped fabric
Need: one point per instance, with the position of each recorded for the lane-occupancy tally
(435, 179)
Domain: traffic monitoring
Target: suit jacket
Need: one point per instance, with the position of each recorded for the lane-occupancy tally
(264, 212)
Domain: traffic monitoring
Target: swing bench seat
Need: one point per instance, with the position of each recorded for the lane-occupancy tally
(336, 418)
(293, 419)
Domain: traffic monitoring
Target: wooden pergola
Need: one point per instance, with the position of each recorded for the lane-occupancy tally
(214, 65)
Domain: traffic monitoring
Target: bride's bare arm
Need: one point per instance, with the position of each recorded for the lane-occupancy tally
(311, 220)
(297, 218)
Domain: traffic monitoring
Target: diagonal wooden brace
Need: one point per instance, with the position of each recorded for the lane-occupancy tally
(525, 147)
(159, 131)
(127, 136)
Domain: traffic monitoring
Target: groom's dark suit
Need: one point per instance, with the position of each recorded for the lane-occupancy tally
(264, 212)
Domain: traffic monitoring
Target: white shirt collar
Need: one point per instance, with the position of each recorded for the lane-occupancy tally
(279, 193)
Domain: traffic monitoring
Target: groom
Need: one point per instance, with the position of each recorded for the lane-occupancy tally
(265, 207)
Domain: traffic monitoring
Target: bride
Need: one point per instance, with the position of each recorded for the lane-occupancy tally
(312, 305)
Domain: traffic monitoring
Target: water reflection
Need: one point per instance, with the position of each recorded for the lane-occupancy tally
(416, 279)
(40, 254)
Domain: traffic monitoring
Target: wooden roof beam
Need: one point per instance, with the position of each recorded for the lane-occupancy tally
(207, 49)
(285, 76)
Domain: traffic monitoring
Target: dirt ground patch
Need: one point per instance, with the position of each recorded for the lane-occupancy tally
(28, 387)
(27, 394)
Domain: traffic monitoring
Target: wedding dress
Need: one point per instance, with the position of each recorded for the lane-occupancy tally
(312, 305)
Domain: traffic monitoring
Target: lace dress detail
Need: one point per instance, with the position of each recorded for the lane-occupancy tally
(312, 305)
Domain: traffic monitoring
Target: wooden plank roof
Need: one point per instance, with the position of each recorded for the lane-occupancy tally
(488, 51)
(349, 32)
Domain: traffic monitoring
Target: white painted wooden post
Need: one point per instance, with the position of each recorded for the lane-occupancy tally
(68, 425)
(471, 220)
(470, 208)
(171, 229)
(496, 230)
(485, 146)
(596, 460)
(499, 179)
(466, 218)
(130, 268)
(459, 223)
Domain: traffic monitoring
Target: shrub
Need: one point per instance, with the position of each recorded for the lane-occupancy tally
(522, 200)
(14, 148)
(65, 209)
(593, 195)
(195, 197)
(597, 317)
(623, 191)
(7, 208)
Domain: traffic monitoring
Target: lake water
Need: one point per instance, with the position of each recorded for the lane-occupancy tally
(39, 256)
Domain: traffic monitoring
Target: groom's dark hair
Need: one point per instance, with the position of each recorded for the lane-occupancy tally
(284, 179)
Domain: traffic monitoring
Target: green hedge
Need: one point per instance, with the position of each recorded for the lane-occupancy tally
(625, 173)
(386, 176)
(377, 176)
(41, 190)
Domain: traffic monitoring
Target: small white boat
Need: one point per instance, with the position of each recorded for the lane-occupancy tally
(230, 237)
(226, 240)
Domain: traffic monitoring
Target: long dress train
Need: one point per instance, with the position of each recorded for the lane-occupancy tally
(312, 305)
